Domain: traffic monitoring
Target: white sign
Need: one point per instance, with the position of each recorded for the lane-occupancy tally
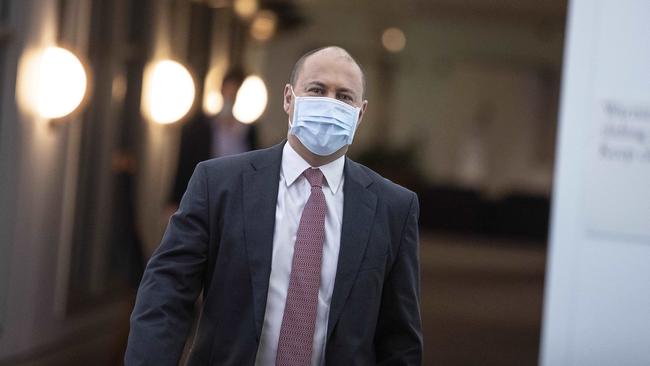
(597, 303)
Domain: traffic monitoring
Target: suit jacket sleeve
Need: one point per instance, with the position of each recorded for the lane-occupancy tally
(398, 339)
(171, 283)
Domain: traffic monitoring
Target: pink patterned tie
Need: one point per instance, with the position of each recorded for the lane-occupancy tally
(297, 331)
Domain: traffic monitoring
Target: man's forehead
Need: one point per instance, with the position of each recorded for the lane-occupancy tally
(331, 63)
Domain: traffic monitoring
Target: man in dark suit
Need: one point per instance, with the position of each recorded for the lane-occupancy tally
(205, 137)
(304, 257)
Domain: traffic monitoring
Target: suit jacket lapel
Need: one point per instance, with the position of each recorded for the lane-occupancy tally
(260, 194)
(359, 206)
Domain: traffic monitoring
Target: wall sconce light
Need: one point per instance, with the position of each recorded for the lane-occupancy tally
(264, 25)
(212, 102)
(55, 82)
(251, 100)
(393, 40)
(212, 98)
(245, 8)
(168, 92)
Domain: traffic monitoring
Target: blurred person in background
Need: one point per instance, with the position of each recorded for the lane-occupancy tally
(304, 256)
(206, 137)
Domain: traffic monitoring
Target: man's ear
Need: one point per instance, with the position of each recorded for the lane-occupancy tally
(362, 111)
(287, 99)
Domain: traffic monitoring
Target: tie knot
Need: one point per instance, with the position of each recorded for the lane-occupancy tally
(314, 177)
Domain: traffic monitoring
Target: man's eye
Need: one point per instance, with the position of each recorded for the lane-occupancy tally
(346, 98)
(316, 91)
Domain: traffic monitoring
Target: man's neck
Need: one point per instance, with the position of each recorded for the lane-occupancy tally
(311, 158)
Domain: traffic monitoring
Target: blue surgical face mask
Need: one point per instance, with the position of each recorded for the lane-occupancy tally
(323, 125)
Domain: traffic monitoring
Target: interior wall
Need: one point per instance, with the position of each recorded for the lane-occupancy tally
(38, 166)
(159, 155)
(7, 146)
(419, 98)
(37, 172)
(160, 142)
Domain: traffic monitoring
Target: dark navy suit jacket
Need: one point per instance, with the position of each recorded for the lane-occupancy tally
(220, 241)
(197, 138)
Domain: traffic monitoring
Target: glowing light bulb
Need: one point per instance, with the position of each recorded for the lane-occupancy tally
(60, 83)
(212, 98)
(245, 8)
(251, 100)
(212, 102)
(168, 93)
(393, 39)
(264, 25)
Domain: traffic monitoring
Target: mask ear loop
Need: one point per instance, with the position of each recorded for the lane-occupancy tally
(294, 107)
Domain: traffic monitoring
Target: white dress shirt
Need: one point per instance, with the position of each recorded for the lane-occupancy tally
(228, 138)
(293, 192)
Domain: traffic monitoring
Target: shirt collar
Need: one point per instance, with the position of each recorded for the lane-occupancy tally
(293, 165)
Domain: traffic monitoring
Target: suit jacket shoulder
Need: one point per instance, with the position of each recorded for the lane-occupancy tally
(396, 196)
(233, 165)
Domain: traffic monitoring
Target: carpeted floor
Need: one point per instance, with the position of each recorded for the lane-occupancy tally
(481, 300)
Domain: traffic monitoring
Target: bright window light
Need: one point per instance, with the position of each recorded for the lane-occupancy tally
(251, 100)
(60, 83)
(168, 92)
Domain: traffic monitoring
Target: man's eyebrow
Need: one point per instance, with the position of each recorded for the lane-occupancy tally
(322, 85)
(317, 83)
(345, 90)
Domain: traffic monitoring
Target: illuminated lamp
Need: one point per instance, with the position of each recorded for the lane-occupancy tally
(251, 100)
(264, 25)
(168, 92)
(212, 98)
(393, 40)
(212, 102)
(245, 8)
(57, 84)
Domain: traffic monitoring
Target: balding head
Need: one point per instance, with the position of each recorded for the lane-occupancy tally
(331, 51)
(328, 72)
